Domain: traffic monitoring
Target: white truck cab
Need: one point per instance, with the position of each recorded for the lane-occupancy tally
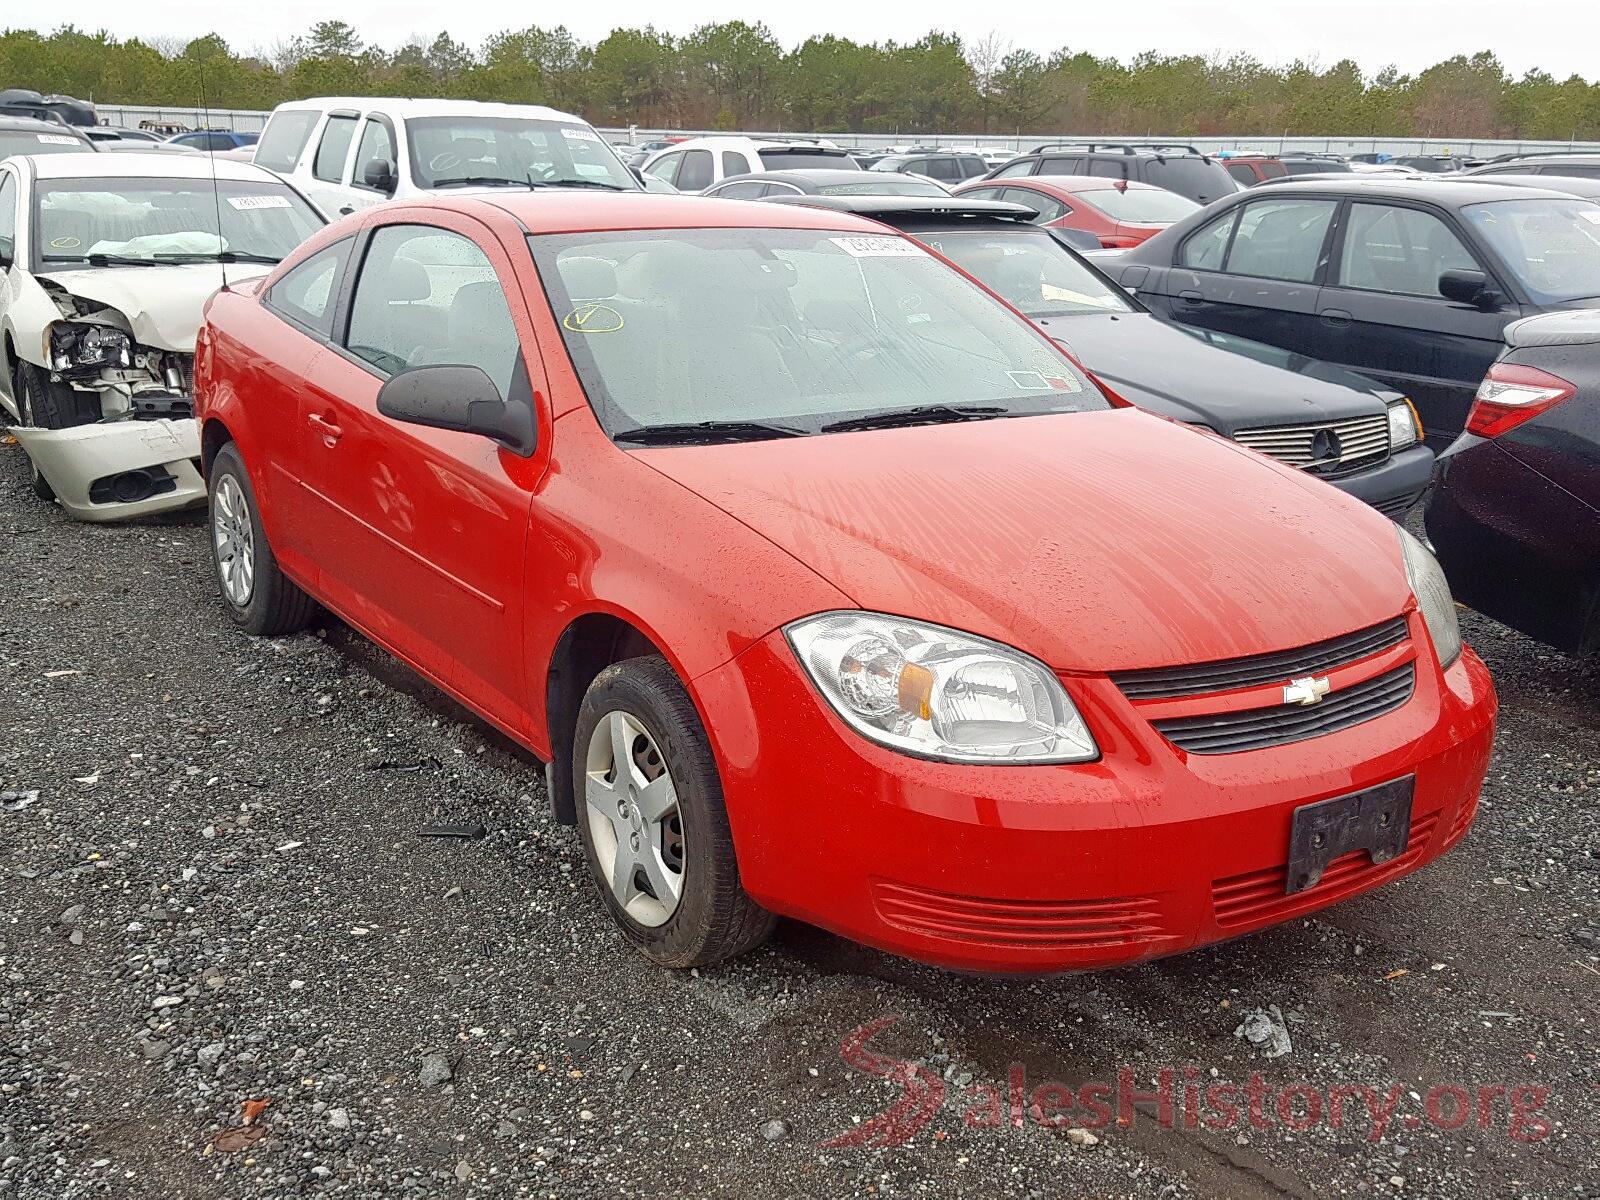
(348, 152)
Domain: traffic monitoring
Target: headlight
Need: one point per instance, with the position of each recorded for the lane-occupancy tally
(1405, 427)
(933, 692)
(1432, 591)
(89, 346)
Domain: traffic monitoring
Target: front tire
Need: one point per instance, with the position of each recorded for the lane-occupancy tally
(259, 596)
(45, 405)
(651, 816)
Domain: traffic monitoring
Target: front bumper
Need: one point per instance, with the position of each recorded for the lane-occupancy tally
(1395, 485)
(1146, 852)
(85, 464)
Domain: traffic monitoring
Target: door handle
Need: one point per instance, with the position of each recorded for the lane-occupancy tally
(1190, 297)
(327, 427)
(1337, 317)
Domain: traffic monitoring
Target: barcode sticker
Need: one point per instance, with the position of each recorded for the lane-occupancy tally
(580, 135)
(248, 203)
(873, 246)
(56, 139)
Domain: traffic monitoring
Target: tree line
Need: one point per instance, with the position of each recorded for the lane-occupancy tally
(735, 74)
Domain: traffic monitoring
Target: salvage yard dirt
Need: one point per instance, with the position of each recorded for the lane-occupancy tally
(231, 966)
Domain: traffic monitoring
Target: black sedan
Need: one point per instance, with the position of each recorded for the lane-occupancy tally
(1411, 281)
(1515, 516)
(1332, 423)
(761, 185)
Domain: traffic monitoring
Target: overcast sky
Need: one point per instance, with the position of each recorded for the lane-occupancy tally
(1558, 36)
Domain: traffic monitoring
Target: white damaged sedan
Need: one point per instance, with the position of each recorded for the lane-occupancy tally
(108, 262)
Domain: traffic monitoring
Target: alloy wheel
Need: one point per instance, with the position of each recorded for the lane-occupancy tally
(234, 537)
(635, 825)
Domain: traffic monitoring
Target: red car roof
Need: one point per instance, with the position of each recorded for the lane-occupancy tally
(585, 211)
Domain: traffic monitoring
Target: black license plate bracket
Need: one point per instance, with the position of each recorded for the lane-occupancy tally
(1375, 819)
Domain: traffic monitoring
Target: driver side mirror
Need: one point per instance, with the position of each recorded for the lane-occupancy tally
(1468, 287)
(637, 174)
(462, 399)
(379, 174)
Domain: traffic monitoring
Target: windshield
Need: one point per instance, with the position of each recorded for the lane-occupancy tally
(1552, 246)
(477, 151)
(1196, 178)
(166, 221)
(794, 327)
(884, 187)
(1028, 268)
(1141, 206)
(803, 160)
(13, 141)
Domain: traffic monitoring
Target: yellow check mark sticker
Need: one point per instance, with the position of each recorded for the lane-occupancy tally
(593, 318)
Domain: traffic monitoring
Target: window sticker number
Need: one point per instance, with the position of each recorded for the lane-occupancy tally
(56, 139)
(580, 135)
(249, 203)
(873, 246)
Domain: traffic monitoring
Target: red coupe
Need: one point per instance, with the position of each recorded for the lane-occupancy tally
(1120, 212)
(828, 586)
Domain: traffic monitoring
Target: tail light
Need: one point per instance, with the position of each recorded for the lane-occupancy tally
(1511, 394)
(1115, 241)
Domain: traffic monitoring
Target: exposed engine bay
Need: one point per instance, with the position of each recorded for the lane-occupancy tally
(95, 350)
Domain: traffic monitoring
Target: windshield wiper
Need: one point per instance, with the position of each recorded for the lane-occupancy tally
(922, 414)
(101, 260)
(687, 433)
(484, 181)
(223, 256)
(589, 183)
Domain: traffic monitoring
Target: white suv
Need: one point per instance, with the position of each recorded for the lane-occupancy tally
(349, 152)
(696, 164)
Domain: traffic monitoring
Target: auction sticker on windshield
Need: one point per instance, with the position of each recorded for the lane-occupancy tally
(580, 135)
(878, 247)
(249, 203)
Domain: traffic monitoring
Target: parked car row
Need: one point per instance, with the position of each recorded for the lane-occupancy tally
(668, 489)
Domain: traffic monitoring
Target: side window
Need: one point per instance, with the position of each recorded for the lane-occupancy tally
(1108, 168)
(696, 171)
(985, 193)
(284, 137)
(1400, 250)
(306, 294)
(971, 166)
(1047, 208)
(1577, 172)
(783, 189)
(8, 216)
(1204, 249)
(331, 151)
(748, 189)
(427, 296)
(1059, 166)
(946, 169)
(1280, 239)
(665, 167)
(376, 150)
(1243, 173)
(734, 163)
(1012, 170)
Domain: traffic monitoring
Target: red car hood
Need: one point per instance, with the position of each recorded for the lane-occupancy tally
(1094, 541)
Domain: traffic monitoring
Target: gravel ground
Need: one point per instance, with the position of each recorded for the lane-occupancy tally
(213, 895)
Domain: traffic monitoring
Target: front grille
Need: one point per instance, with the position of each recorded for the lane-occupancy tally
(1280, 724)
(1361, 442)
(1229, 674)
(1028, 924)
(1397, 507)
(1259, 895)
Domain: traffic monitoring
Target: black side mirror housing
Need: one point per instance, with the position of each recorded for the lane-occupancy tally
(458, 398)
(379, 174)
(637, 174)
(1468, 287)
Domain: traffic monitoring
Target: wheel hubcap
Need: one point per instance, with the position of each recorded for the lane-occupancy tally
(634, 824)
(235, 540)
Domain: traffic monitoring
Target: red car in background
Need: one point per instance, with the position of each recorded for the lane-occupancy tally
(1120, 212)
(829, 586)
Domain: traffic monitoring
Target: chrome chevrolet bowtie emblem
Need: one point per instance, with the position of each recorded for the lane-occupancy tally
(1305, 690)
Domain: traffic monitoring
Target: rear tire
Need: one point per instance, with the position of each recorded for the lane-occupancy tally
(684, 906)
(259, 596)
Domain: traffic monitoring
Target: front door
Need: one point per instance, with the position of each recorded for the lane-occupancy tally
(418, 533)
(1383, 315)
